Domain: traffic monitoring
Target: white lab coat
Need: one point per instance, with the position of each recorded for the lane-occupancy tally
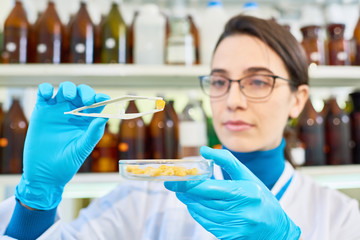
(147, 211)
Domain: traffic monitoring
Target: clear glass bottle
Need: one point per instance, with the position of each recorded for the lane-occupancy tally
(16, 31)
(48, 36)
(149, 36)
(192, 127)
(114, 36)
(81, 36)
(180, 48)
(12, 140)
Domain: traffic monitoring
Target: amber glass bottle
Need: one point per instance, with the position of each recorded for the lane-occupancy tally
(157, 136)
(131, 39)
(313, 45)
(104, 156)
(1, 142)
(172, 145)
(133, 136)
(338, 46)
(13, 138)
(48, 33)
(31, 53)
(81, 37)
(114, 37)
(65, 42)
(337, 135)
(356, 39)
(195, 33)
(355, 125)
(16, 30)
(97, 40)
(311, 133)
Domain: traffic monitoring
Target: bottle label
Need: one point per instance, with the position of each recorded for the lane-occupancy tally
(110, 43)
(192, 133)
(315, 56)
(11, 47)
(181, 51)
(41, 48)
(342, 56)
(80, 48)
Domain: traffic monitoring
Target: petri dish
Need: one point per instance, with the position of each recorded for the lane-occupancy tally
(166, 169)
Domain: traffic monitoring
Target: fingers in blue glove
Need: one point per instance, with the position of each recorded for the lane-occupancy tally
(229, 163)
(92, 136)
(86, 95)
(67, 92)
(45, 92)
(213, 189)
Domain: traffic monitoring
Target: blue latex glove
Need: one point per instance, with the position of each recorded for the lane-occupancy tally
(241, 208)
(57, 144)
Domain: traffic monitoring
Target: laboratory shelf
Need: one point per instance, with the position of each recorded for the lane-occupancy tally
(93, 185)
(147, 76)
(337, 177)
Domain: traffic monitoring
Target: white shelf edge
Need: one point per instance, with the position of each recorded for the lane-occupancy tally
(147, 76)
(93, 185)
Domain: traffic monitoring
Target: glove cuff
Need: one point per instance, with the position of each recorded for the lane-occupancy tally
(41, 196)
(294, 232)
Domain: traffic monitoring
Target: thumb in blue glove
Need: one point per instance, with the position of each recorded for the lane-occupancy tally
(57, 144)
(241, 208)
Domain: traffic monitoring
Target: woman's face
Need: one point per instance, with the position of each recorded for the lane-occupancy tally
(247, 125)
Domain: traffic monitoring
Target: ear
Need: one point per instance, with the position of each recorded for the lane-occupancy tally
(300, 97)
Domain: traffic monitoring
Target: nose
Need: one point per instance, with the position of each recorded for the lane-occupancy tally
(235, 98)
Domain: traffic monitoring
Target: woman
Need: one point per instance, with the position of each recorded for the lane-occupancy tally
(258, 80)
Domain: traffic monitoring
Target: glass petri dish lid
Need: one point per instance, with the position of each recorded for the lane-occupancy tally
(167, 169)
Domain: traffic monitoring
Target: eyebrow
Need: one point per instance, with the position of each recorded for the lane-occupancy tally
(247, 71)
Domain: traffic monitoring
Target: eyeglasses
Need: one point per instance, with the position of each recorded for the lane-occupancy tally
(256, 86)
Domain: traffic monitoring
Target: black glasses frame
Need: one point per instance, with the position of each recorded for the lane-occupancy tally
(274, 77)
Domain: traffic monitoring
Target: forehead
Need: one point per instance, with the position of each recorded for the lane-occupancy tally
(238, 53)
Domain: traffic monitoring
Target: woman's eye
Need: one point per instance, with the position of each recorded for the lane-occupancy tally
(218, 82)
(259, 83)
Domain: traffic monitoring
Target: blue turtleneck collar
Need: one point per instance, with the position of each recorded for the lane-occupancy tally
(266, 165)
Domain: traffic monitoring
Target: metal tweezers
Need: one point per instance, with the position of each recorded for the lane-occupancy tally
(121, 114)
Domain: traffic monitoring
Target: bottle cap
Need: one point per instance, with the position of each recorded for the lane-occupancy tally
(250, 5)
(149, 9)
(214, 3)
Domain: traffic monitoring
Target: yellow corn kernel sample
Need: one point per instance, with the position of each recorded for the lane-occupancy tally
(160, 104)
(163, 170)
(192, 171)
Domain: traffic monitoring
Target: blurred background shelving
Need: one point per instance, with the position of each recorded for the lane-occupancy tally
(148, 76)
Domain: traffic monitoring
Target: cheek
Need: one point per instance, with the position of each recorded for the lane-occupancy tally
(217, 108)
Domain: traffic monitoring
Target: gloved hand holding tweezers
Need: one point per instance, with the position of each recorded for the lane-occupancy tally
(57, 144)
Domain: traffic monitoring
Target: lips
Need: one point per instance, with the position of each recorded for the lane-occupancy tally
(237, 125)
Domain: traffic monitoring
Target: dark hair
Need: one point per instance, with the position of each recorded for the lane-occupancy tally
(276, 37)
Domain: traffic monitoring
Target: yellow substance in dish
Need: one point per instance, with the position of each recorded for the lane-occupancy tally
(160, 104)
(163, 170)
